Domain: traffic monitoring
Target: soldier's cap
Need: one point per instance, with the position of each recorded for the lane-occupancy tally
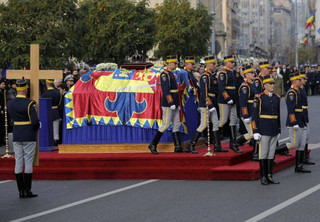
(247, 69)
(68, 77)
(209, 59)
(171, 58)
(188, 59)
(267, 79)
(22, 85)
(50, 81)
(294, 76)
(264, 65)
(228, 59)
(303, 75)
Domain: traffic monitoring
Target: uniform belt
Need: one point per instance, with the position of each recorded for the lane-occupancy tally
(55, 107)
(173, 90)
(304, 107)
(298, 110)
(230, 87)
(268, 116)
(211, 94)
(22, 123)
(250, 101)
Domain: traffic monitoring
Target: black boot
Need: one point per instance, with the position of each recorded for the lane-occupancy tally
(153, 145)
(27, 185)
(241, 140)
(255, 154)
(217, 143)
(270, 172)
(205, 136)
(233, 145)
(263, 171)
(192, 144)
(19, 178)
(306, 156)
(177, 142)
(283, 150)
(299, 163)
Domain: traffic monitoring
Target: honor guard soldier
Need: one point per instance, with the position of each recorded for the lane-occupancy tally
(257, 82)
(26, 124)
(266, 127)
(54, 94)
(304, 99)
(189, 67)
(227, 100)
(170, 106)
(246, 97)
(296, 124)
(207, 98)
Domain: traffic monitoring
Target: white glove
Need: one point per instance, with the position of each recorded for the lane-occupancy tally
(278, 136)
(40, 125)
(178, 107)
(248, 120)
(296, 126)
(230, 102)
(173, 107)
(256, 136)
(212, 109)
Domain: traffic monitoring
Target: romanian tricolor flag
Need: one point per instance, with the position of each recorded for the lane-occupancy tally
(305, 39)
(120, 97)
(311, 19)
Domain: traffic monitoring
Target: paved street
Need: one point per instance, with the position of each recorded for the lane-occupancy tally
(169, 200)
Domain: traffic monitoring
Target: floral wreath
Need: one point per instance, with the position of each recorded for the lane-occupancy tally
(106, 66)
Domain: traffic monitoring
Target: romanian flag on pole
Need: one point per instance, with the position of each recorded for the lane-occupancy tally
(311, 19)
(305, 39)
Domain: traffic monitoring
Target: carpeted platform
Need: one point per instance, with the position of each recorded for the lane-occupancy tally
(222, 166)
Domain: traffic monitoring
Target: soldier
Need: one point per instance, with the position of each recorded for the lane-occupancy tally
(227, 101)
(170, 106)
(304, 99)
(246, 97)
(189, 67)
(266, 128)
(295, 123)
(54, 94)
(207, 98)
(26, 124)
(264, 67)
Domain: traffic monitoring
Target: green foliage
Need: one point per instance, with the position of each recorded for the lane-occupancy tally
(116, 29)
(182, 29)
(24, 22)
(305, 55)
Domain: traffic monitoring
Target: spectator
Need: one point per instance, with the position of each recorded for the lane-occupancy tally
(12, 92)
(278, 85)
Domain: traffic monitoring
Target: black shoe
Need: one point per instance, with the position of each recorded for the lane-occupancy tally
(263, 171)
(241, 140)
(217, 142)
(20, 184)
(233, 144)
(191, 146)
(299, 165)
(177, 142)
(283, 150)
(270, 172)
(28, 183)
(153, 145)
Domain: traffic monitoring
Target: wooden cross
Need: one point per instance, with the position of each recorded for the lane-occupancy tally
(34, 74)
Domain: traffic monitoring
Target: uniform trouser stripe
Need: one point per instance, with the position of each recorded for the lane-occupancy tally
(165, 122)
(293, 143)
(259, 141)
(221, 122)
(248, 126)
(203, 123)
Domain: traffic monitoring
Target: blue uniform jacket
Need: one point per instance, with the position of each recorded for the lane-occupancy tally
(294, 107)
(304, 100)
(207, 80)
(246, 99)
(266, 114)
(169, 87)
(26, 123)
(54, 94)
(227, 89)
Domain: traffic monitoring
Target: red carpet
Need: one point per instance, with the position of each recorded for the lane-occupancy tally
(223, 166)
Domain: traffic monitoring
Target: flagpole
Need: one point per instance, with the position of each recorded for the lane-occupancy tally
(296, 34)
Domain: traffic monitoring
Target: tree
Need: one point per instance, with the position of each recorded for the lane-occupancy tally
(35, 21)
(306, 55)
(116, 29)
(182, 29)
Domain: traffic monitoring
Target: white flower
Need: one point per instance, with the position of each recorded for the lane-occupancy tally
(106, 66)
